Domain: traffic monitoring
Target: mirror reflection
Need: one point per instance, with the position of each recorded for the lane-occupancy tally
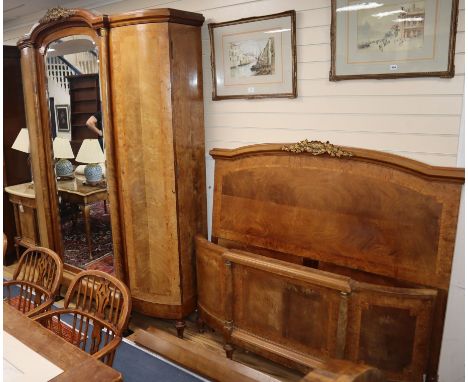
(72, 66)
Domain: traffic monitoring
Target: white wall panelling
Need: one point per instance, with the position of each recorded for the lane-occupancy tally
(418, 118)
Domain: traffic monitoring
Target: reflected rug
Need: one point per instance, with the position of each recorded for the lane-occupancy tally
(74, 236)
(105, 264)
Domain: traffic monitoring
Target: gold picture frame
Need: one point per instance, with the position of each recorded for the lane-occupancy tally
(393, 39)
(254, 57)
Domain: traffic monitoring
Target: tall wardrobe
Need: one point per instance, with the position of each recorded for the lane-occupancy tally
(150, 69)
(15, 163)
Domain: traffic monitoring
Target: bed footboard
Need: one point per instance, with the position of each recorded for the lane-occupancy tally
(303, 317)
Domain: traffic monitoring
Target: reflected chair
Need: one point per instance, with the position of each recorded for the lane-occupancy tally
(36, 281)
(96, 311)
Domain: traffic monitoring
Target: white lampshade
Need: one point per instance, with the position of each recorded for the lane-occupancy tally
(21, 142)
(90, 152)
(62, 148)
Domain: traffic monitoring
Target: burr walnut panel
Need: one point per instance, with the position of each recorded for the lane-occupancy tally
(347, 210)
(144, 149)
(391, 328)
(158, 118)
(273, 308)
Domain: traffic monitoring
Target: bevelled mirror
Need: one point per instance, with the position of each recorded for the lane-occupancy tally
(76, 127)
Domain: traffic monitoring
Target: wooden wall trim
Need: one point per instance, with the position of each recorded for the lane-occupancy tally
(451, 174)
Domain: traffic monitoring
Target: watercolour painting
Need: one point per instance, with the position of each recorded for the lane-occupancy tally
(393, 38)
(254, 57)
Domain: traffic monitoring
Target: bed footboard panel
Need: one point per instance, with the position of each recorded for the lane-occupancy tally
(211, 276)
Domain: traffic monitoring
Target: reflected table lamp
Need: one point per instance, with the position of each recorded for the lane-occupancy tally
(91, 153)
(21, 143)
(63, 152)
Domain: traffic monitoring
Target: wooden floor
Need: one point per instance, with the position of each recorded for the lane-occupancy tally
(208, 339)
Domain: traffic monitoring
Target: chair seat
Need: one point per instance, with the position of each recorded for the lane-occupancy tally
(20, 302)
(66, 332)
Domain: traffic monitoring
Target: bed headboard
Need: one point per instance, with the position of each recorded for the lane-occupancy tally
(356, 208)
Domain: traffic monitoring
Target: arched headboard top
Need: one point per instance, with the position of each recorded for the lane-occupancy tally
(361, 209)
(454, 174)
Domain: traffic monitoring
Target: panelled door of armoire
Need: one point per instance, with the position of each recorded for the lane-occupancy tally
(157, 100)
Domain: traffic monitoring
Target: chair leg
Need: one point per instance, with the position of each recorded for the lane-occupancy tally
(180, 326)
(16, 245)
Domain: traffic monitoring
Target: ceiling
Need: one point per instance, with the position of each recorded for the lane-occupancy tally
(14, 9)
(71, 45)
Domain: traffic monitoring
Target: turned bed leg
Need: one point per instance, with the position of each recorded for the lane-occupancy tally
(229, 350)
(180, 326)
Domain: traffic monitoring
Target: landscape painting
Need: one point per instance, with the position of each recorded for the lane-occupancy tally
(392, 28)
(254, 57)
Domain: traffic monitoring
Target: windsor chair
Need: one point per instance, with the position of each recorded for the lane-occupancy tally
(97, 308)
(36, 281)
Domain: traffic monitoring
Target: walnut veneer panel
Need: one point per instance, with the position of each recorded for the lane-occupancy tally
(274, 308)
(143, 124)
(391, 328)
(262, 304)
(351, 212)
(211, 266)
(189, 145)
(157, 99)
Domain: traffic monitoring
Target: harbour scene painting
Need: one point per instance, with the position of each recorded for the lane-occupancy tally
(250, 58)
(391, 28)
(393, 39)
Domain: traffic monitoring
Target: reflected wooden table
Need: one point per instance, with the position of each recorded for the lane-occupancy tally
(77, 365)
(74, 191)
(23, 199)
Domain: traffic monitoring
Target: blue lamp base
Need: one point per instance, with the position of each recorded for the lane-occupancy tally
(63, 167)
(93, 173)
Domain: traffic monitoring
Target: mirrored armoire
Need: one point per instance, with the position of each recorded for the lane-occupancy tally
(150, 97)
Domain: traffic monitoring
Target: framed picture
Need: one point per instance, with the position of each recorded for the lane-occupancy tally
(53, 125)
(393, 38)
(62, 117)
(254, 57)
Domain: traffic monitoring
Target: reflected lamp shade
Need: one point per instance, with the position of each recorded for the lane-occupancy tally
(21, 142)
(91, 153)
(62, 152)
